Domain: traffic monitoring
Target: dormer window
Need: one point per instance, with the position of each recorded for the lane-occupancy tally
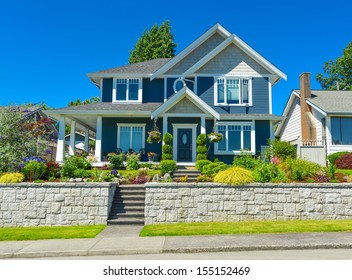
(127, 90)
(232, 91)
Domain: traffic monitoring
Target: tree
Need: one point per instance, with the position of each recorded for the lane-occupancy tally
(78, 102)
(21, 137)
(338, 72)
(158, 42)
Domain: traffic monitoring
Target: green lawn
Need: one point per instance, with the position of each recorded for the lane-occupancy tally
(346, 172)
(246, 227)
(59, 232)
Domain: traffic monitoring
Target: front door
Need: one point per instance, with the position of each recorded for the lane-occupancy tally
(184, 145)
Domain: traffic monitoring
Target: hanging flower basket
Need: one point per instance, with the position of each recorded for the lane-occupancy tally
(154, 136)
(215, 137)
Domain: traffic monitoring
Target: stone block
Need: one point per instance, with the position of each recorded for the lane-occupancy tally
(182, 213)
(55, 208)
(30, 215)
(167, 204)
(247, 195)
(271, 198)
(229, 205)
(332, 198)
(59, 197)
(241, 207)
(206, 198)
(76, 191)
(161, 216)
(202, 209)
(49, 197)
(219, 217)
(187, 202)
(66, 209)
(9, 197)
(289, 209)
(88, 201)
(100, 201)
(171, 216)
(259, 198)
(253, 209)
(93, 211)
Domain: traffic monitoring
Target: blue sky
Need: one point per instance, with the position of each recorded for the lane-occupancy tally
(47, 47)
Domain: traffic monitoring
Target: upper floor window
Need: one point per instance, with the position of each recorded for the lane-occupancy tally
(232, 91)
(127, 90)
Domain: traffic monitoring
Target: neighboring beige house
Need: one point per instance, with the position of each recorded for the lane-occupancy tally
(326, 125)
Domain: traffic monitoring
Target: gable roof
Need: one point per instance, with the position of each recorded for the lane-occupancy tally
(327, 102)
(233, 39)
(175, 98)
(217, 28)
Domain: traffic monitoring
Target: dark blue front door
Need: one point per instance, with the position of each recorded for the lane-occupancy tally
(184, 145)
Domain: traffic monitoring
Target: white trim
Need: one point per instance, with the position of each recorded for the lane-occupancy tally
(184, 115)
(196, 85)
(142, 125)
(251, 117)
(202, 125)
(174, 99)
(127, 101)
(98, 139)
(192, 126)
(165, 89)
(270, 98)
(227, 152)
(216, 28)
(101, 89)
(61, 140)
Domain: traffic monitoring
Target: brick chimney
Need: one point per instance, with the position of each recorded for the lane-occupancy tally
(308, 126)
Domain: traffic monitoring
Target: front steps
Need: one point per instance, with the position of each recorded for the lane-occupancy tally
(128, 206)
(191, 172)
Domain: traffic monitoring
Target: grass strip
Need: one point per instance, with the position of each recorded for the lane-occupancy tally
(346, 172)
(55, 232)
(257, 227)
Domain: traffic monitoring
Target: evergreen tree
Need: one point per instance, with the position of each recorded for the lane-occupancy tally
(158, 42)
(338, 71)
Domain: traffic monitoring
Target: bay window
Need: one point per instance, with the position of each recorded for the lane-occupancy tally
(236, 138)
(232, 91)
(130, 136)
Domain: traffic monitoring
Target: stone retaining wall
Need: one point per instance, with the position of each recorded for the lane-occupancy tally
(207, 202)
(53, 204)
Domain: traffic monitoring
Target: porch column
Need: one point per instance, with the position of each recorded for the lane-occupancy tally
(272, 134)
(164, 126)
(98, 138)
(86, 140)
(61, 140)
(71, 149)
(202, 125)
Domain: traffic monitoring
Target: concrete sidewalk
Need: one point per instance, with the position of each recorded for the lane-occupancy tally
(124, 240)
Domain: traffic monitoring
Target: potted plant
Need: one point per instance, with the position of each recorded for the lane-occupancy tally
(154, 136)
(151, 156)
(215, 137)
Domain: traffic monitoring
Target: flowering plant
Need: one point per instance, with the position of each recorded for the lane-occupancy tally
(151, 154)
(154, 136)
(91, 159)
(215, 137)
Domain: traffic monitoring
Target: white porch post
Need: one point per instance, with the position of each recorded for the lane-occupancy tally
(71, 149)
(272, 134)
(61, 140)
(202, 125)
(164, 126)
(98, 138)
(86, 140)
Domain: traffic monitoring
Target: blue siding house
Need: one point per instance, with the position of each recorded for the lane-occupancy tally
(217, 84)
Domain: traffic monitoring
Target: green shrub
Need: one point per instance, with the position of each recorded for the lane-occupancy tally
(205, 178)
(333, 157)
(299, 169)
(52, 169)
(268, 172)
(234, 176)
(201, 139)
(183, 179)
(245, 160)
(167, 166)
(73, 163)
(167, 138)
(201, 163)
(213, 168)
(201, 157)
(167, 149)
(166, 157)
(331, 171)
(33, 170)
(344, 161)
(15, 177)
(81, 173)
(202, 151)
(132, 161)
(116, 161)
(281, 149)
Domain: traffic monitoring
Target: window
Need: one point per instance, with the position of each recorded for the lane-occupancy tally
(341, 130)
(232, 91)
(127, 90)
(130, 136)
(237, 137)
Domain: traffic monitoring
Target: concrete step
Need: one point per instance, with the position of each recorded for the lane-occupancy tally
(126, 221)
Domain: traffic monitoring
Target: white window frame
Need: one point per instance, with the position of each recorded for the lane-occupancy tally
(131, 125)
(114, 91)
(225, 138)
(240, 79)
